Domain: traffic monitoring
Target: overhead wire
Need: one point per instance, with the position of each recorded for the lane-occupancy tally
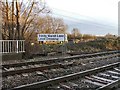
(77, 20)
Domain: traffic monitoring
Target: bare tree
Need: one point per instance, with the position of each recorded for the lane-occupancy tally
(12, 19)
(50, 24)
(75, 32)
(17, 20)
(18, 17)
(58, 25)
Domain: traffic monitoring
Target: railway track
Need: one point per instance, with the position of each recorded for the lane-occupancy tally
(53, 60)
(9, 69)
(78, 53)
(100, 78)
(55, 69)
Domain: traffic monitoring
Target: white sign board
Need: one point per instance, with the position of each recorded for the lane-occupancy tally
(52, 37)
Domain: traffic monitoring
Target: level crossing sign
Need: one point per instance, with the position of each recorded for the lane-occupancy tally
(52, 37)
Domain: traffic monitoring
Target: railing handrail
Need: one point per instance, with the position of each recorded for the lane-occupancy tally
(12, 40)
(12, 46)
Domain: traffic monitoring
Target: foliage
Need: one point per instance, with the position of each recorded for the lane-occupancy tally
(18, 17)
(95, 46)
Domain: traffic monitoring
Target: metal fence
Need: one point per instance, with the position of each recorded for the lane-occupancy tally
(12, 46)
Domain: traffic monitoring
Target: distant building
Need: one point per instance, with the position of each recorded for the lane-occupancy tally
(110, 36)
(73, 41)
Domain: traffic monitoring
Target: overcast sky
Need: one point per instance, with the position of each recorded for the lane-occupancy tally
(101, 15)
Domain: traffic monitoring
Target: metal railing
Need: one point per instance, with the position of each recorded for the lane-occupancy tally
(12, 46)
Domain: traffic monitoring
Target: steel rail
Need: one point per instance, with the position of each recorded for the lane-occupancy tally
(41, 68)
(66, 77)
(110, 86)
(78, 53)
(55, 59)
(13, 72)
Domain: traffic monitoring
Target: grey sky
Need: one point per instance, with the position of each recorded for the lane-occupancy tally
(90, 16)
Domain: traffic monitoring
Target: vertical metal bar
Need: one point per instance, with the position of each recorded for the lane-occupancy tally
(2, 46)
(20, 46)
(23, 46)
(64, 44)
(14, 45)
(8, 47)
(17, 46)
(11, 46)
(5, 46)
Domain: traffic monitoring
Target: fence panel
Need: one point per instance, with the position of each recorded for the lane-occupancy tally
(12, 46)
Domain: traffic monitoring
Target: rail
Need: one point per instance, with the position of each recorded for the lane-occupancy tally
(66, 77)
